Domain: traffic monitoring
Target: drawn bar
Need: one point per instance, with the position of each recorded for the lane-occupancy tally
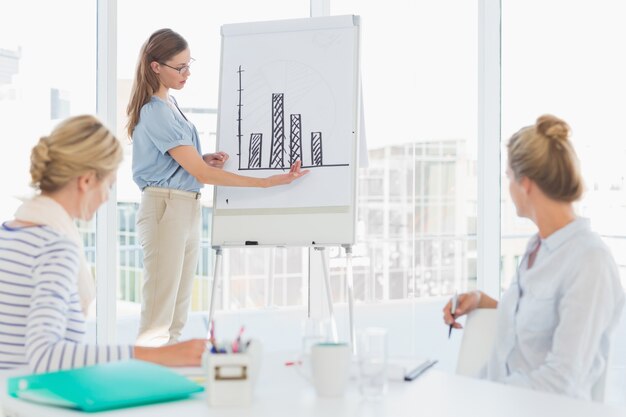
(256, 143)
(295, 139)
(316, 148)
(277, 159)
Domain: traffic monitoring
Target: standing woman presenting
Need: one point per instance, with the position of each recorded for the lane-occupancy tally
(170, 169)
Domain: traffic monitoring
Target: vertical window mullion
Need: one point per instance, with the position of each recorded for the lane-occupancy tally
(106, 224)
(489, 95)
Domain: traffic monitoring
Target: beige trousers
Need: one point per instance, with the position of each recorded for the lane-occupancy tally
(168, 226)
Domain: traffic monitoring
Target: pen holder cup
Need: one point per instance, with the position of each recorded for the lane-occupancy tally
(231, 376)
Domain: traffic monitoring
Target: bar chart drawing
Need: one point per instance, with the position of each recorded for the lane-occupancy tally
(283, 151)
(289, 94)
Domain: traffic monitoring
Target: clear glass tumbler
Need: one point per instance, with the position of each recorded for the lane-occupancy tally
(372, 354)
(314, 331)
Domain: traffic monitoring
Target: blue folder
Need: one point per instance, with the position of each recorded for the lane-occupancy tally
(104, 387)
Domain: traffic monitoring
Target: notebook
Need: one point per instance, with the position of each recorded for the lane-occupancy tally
(104, 387)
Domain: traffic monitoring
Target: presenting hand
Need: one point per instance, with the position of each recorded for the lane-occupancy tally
(466, 302)
(282, 179)
(216, 159)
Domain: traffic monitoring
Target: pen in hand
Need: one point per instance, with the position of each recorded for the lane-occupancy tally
(453, 306)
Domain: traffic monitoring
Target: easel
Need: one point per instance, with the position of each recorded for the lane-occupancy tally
(329, 295)
(304, 217)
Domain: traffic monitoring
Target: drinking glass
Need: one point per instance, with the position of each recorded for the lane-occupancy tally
(314, 331)
(372, 358)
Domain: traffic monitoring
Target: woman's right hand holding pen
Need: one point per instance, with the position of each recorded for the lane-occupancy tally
(283, 179)
(466, 302)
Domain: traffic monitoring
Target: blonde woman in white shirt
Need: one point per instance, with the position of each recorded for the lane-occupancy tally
(556, 319)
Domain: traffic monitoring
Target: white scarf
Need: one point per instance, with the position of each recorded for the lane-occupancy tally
(44, 210)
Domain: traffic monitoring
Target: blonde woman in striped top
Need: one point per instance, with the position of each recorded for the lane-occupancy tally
(45, 284)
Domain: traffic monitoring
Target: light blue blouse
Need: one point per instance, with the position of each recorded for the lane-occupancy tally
(162, 127)
(555, 320)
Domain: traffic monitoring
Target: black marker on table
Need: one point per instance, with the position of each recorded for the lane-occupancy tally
(410, 376)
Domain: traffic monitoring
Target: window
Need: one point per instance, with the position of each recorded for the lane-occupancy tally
(574, 74)
(47, 73)
(43, 79)
(417, 203)
(417, 198)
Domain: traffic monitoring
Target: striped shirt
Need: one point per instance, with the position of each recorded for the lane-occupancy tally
(41, 322)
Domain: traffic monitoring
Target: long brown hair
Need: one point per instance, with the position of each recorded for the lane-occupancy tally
(161, 46)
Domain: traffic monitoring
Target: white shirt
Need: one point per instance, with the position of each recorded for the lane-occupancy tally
(555, 321)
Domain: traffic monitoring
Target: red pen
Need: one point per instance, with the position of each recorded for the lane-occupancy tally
(235, 345)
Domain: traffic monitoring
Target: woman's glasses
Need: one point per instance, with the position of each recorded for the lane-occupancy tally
(182, 70)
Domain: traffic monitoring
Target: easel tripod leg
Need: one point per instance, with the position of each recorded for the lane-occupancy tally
(216, 277)
(350, 284)
(329, 296)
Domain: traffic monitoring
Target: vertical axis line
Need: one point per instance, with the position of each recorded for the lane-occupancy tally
(239, 105)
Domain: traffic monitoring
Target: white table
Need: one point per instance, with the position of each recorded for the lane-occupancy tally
(281, 392)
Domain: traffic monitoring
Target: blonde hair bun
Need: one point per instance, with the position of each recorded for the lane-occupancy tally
(76, 146)
(553, 128)
(39, 159)
(543, 153)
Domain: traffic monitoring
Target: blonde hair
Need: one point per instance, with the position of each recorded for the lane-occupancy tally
(161, 46)
(543, 153)
(76, 146)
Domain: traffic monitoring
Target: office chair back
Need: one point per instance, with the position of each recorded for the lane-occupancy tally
(478, 338)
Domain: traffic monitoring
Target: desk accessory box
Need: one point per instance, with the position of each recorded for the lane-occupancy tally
(231, 376)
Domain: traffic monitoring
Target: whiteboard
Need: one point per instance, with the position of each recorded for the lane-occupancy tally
(289, 90)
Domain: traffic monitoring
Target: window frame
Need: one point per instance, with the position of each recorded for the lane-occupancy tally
(488, 164)
(107, 271)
